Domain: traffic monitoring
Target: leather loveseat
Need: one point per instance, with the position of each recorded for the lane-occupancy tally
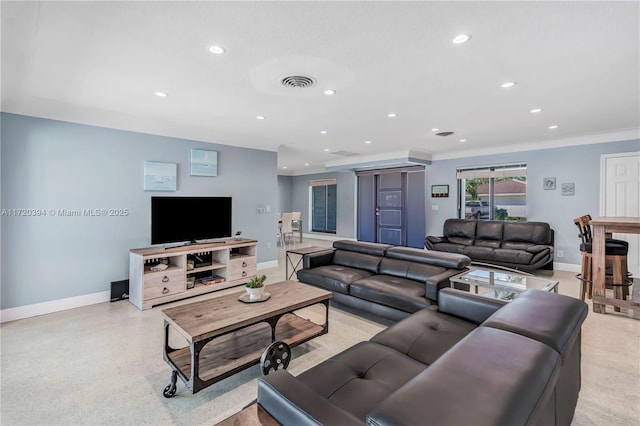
(525, 246)
(388, 281)
(474, 361)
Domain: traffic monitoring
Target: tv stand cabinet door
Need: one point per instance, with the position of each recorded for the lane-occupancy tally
(241, 268)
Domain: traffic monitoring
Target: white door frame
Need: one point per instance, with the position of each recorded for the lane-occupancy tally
(603, 163)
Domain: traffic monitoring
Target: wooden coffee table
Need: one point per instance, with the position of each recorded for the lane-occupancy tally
(225, 335)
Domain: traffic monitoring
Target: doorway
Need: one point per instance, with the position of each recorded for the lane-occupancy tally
(391, 206)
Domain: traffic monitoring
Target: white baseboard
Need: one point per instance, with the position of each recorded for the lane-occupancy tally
(328, 237)
(570, 267)
(267, 265)
(27, 311)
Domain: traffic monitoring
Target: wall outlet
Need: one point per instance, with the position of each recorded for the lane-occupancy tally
(560, 253)
(435, 207)
(268, 245)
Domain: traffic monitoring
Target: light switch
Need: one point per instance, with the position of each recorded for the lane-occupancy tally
(435, 207)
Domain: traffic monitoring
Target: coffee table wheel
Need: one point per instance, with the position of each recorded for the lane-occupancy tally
(277, 354)
(170, 390)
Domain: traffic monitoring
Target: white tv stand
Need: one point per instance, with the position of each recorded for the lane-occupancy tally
(233, 260)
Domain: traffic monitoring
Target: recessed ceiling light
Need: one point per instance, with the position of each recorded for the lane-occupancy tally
(260, 117)
(329, 92)
(554, 126)
(326, 150)
(392, 115)
(435, 129)
(324, 132)
(535, 110)
(284, 167)
(367, 142)
(463, 140)
(306, 164)
(461, 38)
(218, 50)
(508, 84)
(161, 94)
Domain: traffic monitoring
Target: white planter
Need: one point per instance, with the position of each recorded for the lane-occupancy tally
(255, 293)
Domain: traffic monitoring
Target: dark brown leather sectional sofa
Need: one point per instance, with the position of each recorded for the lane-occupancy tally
(525, 246)
(388, 281)
(474, 361)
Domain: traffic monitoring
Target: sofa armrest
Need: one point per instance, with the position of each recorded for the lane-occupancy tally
(291, 402)
(537, 248)
(430, 240)
(321, 258)
(437, 282)
(467, 306)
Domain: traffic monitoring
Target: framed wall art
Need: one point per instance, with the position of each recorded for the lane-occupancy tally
(549, 183)
(568, 189)
(160, 176)
(439, 191)
(204, 163)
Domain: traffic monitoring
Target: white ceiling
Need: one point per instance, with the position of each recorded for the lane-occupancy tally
(100, 63)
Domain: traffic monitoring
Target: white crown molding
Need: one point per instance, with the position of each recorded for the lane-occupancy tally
(588, 139)
(399, 158)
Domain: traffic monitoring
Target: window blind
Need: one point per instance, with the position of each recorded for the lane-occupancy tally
(322, 182)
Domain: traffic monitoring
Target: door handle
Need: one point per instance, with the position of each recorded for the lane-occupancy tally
(377, 211)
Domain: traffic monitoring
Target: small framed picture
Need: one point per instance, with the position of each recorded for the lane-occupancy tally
(439, 191)
(160, 176)
(568, 189)
(549, 183)
(204, 163)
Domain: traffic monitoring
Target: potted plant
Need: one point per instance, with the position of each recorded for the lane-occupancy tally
(255, 287)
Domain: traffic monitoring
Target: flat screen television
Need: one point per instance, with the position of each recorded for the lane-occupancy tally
(176, 219)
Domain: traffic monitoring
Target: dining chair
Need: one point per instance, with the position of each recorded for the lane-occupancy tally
(286, 227)
(615, 260)
(296, 223)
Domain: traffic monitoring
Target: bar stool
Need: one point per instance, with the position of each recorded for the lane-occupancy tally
(616, 251)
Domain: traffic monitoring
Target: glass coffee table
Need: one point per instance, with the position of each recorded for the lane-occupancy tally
(504, 285)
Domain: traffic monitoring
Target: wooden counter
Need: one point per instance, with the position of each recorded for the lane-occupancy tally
(600, 227)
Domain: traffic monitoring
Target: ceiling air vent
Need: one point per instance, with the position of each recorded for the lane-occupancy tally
(344, 153)
(444, 133)
(298, 81)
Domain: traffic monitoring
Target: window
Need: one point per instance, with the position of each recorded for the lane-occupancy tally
(323, 205)
(493, 192)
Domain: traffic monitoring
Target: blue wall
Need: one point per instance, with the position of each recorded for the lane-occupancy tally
(48, 164)
(346, 200)
(577, 164)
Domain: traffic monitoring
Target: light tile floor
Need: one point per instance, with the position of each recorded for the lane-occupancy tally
(102, 364)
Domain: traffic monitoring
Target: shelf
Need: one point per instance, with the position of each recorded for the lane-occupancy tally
(171, 268)
(214, 265)
(244, 347)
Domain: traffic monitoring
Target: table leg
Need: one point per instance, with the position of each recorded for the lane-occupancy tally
(598, 271)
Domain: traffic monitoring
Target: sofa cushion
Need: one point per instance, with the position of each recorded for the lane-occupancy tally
(529, 232)
(410, 270)
(362, 247)
(512, 256)
(460, 228)
(478, 252)
(332, 277)
(425, 335)
(489, 230)
(360, 378)
(395, 292)
(488, 378)
(429, 257)
(557, 328)
(368, 262)
(461, 240)
(487, 243)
